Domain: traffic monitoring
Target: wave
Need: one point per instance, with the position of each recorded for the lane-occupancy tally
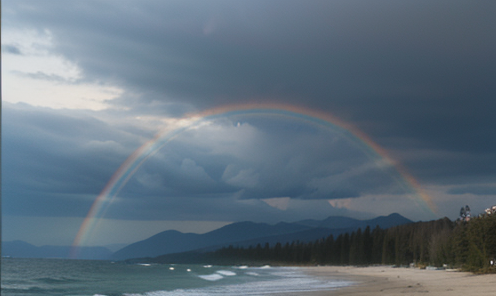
(242, 267)
(211, 277)
(273, 281)
(226, 272)
(218, 275)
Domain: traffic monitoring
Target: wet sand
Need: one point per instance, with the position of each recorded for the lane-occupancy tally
(385, 280)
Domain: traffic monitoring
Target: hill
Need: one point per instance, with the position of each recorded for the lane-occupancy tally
(245, 234)
(172, 241)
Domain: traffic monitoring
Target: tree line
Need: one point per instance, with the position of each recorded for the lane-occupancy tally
(468, 245)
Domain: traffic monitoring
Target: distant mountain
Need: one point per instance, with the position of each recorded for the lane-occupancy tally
(384, 222)
(169, 241)
(250, 234)
(332, 225)
(338, 222)
(308, 235)
(172, 241)
(21, 249)
(333, 222)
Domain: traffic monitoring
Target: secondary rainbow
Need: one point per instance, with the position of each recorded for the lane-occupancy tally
(135, 160)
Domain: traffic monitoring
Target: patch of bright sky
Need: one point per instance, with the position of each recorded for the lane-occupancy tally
(341, 203)
(36, 75)
(280, 203)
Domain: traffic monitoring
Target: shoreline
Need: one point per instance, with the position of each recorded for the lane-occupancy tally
(386, 280)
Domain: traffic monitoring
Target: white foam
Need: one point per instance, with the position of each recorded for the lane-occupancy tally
(226, 272)
(211, 277)
(265, 267)
(242, 267)
(274, 281)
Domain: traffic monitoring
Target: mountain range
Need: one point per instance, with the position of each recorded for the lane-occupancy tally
(250, 234)
(238, 234)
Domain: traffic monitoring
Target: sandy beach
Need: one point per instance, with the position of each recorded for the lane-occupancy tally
(385, 280)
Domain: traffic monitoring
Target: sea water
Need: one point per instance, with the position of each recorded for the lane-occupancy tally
(85, 277)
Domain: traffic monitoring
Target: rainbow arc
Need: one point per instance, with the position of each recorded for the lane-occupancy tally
(138, 157)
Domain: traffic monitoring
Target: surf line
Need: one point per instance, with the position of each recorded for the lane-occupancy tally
(191, 121)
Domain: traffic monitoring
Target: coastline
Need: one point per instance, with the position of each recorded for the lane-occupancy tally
(386, 280)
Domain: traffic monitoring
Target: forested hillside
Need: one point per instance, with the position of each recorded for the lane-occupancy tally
(467, 245)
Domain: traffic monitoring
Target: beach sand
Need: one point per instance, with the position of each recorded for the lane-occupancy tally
(385, 280)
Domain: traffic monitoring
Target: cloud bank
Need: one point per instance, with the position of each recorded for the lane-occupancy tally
(85, 84)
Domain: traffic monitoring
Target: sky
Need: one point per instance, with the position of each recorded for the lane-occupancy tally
(409, 85)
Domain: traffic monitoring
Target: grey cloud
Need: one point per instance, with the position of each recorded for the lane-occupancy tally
(225, 208)
(12, 49)
(47, 155)
(417, 77)
(476, 190)
(282, 43)
(272, 163)
(56, 163)
(421, 70)
(450, 167)
(44, 76)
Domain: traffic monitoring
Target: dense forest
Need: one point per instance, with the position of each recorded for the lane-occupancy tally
(469, 245)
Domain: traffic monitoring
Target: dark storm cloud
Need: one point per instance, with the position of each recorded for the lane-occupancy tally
(55, 162)
(256, 163)
(50, 156)
(419, 70)
(417, 77)
(448, 167)
(223, 207)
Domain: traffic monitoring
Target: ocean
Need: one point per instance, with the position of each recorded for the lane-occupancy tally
(22, 277)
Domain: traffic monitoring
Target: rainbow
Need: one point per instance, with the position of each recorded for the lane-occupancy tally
(135, 160)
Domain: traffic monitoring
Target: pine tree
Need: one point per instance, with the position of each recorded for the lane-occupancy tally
(377, 245)
(367, 246)
(345, 250)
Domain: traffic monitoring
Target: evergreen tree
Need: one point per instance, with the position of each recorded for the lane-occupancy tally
(377, 245)
(367, 246)
(328, 250)
(353, 249)
(345, 250)
(470, 245)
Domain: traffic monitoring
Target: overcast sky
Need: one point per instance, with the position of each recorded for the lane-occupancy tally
(86, 83)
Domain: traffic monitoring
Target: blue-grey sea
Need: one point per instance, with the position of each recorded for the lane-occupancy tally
(86, 277)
